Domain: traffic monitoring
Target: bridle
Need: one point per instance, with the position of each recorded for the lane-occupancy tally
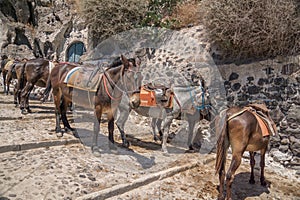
(107, 79)
(203, 105)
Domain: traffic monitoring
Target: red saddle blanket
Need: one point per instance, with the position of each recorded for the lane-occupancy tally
(148, 99)
(265, 122)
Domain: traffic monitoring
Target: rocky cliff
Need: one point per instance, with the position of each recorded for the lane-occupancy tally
(39, 28)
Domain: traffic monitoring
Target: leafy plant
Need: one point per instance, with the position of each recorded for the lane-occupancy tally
(158, 13)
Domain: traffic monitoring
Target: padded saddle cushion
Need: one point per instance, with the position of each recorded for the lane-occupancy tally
(83, 79)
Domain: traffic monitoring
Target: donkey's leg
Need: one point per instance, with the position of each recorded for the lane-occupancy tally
(252, 164)
(165, 131)
(8, 81)
(27, 102)
(111, 142)
(222, 178)
(16, 93)
(6, 89)
(159, 128)
(58, 129)
(25, 97)
(97, 119)
(4, 85)
(235, 163)
(154, 125)
(57, 103)
(124, 113)
(262, 167)
(191, 134)
(63, 109)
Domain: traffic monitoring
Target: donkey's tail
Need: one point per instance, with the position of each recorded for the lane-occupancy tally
(222, 143)
(46, 92)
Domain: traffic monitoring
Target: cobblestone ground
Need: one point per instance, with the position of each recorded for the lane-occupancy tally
(46, 168)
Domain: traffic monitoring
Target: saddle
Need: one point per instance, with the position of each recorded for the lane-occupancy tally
(8, 65)
(155, 95)
(261, 113)
(86, 79)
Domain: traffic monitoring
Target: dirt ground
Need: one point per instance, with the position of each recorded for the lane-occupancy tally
(71, 171)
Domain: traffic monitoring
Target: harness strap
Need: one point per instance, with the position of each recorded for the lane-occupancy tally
(263, 120)
(177, 101)
(237, 114)
(106, 89)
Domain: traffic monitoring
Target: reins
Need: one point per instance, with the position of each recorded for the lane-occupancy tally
(106, 78)
(106, 88)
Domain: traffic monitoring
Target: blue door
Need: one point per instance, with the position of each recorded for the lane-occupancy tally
(75, 51)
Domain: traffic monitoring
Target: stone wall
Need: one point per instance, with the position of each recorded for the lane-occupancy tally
(276, 82)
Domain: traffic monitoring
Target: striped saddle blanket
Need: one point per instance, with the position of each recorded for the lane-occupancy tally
(86, 78)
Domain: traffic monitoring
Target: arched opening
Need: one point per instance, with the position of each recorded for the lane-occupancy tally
(74, 51)
(48, 49)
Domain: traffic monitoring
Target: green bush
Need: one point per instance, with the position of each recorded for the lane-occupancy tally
(109, 17)
(158, 13)
(253, 29)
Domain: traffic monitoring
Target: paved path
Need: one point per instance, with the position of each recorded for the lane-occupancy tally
(35, 164)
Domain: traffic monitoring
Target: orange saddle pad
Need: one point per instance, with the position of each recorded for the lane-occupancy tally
(148, 98)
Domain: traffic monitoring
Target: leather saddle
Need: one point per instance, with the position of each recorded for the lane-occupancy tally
(86, 78)
(261, 113)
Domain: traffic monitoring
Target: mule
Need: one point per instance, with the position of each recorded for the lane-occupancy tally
(15, 72)
(35, 72)
(120, 77)
(184, 107)
(239, 129)
(6, 65)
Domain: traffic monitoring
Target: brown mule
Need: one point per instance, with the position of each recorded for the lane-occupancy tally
(242, 132)
(121, 77)
(15, 73)
(6, 66)
(34, 72)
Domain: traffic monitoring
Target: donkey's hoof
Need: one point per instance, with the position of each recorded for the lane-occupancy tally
(67, 130)
(59, 134)
(165, 151)
(157, 138)
(24, 112)
(112, 147)
(75, 134)
(252, 181)
(126, 144)
(263, 182)
(191, 151)
(96, 151)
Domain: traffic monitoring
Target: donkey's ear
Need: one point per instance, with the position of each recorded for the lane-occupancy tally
(125, 61)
